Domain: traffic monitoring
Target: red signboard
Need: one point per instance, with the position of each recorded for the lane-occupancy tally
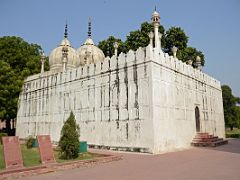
(45, 148)
(12, 152)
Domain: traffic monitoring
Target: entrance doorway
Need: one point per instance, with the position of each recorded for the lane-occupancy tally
(197, 118)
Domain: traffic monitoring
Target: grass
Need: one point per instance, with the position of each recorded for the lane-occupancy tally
(235, 133)
(2, 164)
(82, 156)
(31, 157)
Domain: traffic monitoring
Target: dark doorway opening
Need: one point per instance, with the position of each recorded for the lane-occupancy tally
(197, 118)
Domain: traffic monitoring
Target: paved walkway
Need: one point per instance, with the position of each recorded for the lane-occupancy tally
(221, 163)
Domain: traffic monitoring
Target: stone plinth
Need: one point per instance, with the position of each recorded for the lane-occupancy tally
(45, 148)
(12, 152)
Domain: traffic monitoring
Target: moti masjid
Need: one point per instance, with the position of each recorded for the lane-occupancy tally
(144, 100)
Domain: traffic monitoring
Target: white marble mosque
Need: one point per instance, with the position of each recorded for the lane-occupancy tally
(143, 100)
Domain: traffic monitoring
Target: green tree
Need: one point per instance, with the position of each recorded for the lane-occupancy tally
(237, 115)
(10, 87)
(135, 39)
(107, 46)
(69, 140)
(190, 53)
(18, 59)
(140, 38)
(175, 36)
(231, 112)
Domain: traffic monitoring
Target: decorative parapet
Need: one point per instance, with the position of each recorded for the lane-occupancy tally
(141, 55)
(121, 60)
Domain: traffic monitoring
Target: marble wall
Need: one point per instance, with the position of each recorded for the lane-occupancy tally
(143, 100)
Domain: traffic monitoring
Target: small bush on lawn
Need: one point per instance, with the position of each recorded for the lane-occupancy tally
(69, 140)
(29, 142)
(2, 135)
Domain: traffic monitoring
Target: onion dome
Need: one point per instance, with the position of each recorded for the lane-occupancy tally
(155, 16)
(89, 53)
(56, 56)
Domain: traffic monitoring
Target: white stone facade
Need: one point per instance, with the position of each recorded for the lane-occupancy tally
(140, 101)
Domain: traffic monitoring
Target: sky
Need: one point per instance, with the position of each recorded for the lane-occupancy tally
(212, 26)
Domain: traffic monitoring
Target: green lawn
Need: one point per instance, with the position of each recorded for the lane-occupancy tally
(235, 133)
(2, 164)
(81, 156)
(31, 157)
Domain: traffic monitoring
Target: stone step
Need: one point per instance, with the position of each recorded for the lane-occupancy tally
(204, 139)
(207, 139)
(207, 144)
(202, 133)
(204, 136)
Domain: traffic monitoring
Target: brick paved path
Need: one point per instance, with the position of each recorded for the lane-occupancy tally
(221, 163)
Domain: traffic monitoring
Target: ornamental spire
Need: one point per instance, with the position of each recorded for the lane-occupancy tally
(65, 32)
(89, 28)
(43, 58)
(156, 22)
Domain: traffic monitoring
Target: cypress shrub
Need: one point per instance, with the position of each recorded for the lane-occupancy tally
(69, 140)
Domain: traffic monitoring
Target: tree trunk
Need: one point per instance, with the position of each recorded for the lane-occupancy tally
(9, 127)
(8, 124)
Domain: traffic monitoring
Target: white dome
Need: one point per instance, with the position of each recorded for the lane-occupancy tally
(155, 13)
(55, 57)
(89, 53)
(155, 17)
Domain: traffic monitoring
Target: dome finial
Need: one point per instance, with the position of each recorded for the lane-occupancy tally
(65, 32)
(89, 28)
(155, 9)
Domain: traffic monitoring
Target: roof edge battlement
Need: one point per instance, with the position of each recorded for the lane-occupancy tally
(132, 58)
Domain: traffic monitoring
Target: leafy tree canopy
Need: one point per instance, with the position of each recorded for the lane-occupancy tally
(140, 38)
(107, 46)
(190, 53)
(237, 115)
(231, 110)
(18, 59)
(175, 36)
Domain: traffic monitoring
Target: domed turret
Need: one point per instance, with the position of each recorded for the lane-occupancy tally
(155, 16)
(56, 57)
(88, 52)
(156, 22)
